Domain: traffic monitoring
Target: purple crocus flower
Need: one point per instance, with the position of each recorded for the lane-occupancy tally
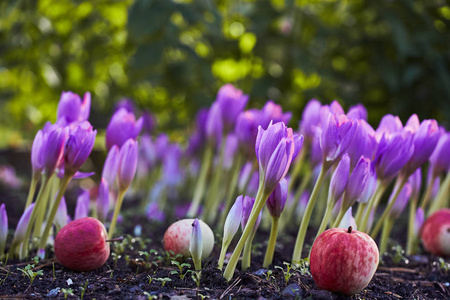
(336, 109)
(359, 180)
(53, 150)
(275, 149)
(21, 228)
(363, 143)
(128, 158)
(37, 155)
(196, 244)
(370, 187)
(277, 200)
(393, 152)
(214, 125)
(231, 146)
(233, 220)
(337, 134)
(123, 126)
(111, 165)
(401, 201)
(357, 112)
(3, 228)
(246, 129)
(310, 119)
(440, 159)
(149, 121)
(102, 203)
(272, 112)
(388, 125)
(231, 102)
(415, 181)
(172, 174)
(82, 207)
(78, 147)
(126, 103)
(339, 179)
(315, 155)
(61, 217)
(425, 139)
(154, 213)
(71, 109)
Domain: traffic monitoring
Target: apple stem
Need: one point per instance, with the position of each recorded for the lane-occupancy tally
(349, 230)
(119, 239)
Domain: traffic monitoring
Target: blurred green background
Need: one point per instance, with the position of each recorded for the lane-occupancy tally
(172, 56)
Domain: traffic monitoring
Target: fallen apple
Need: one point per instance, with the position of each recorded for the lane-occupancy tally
(178, 237)
(81, 245)
(435, 233)
(343, 260)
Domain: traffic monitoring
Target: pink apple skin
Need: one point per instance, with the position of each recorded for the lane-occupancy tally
(435, 233)
(81, 245)
(343, 261)
(178, 237)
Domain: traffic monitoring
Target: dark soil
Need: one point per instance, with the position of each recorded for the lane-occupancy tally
(127, 275)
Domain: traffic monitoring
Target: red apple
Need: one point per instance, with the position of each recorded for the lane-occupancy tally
(81, 245)
(343, 260)
(178, 237)
(435, 233)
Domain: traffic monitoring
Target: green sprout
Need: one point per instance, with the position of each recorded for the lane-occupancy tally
(163, 280)
(83, 289)
(28, 270)
(196, 278)
(180, 269)
(67, 292)
(290, 270)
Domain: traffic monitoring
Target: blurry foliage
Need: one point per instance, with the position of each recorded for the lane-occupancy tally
(172, 56)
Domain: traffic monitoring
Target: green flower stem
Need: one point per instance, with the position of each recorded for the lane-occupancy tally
(387, 228)
(223, 252)
(327, 216)
(427, 195)
(268, 258)
(411, 244)
(361, 208)
(305, 220)
(442, 196)
(231, 189)
(387, 210)
(43, 208)
(62, 189)
(298, 167)
(112, 227)
(34, 214)
(200, 186)
(34, 181)
(339, 217)
(213, 198)
(261, 198)
(247, 253)
(372, 204)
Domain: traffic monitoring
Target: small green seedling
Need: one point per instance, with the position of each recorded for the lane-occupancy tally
(163, 280)
(28, 270)
(147, 257)
(196, 276)
(203, 297)
(67, 292)
(150, 297)
(150, 277)
(443, 265)
(180, 269)
(83, 289)
(303, 267)
(290, 270)
(398, 256)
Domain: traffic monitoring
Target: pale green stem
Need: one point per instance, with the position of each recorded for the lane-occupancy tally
(372, 204)
(34, 181)
(361, 208)
(385, 233)
(268, 258)
(339, 217)
(411, 243)
(327, 216)
(43, 209)
(387, 210)
(112, 227)
(247, 253)
(427, 195)
(261, 198)
(296, 256)
(200, 186)
(231, 189)
(197, 264)
(62, 189)
(223, 252)
(442, 197)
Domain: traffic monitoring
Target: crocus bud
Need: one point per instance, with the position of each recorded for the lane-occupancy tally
(337, 134)
(123, 126)
(128, 158)
(61, 217)
(440, 160)
(82, 208)
(71, 109)
(103, 200)
(246, 129)
(111, 165)
(78, 147)
(415, 180)
(358, 182)
(310, 118)
(231, 146)
(275, 149)
(420, 218)
(336, 108)
(3, 228)
(214, 125)
(196, 244)
(401, 201)
(277, 200)
(339, 179)
(272, 112)
(54, 149)
(232, 102)
(358, 112)
(424, 140)
(233, 221)
(21, 228)
(370, 187)
(37, 155)
(348, 220)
